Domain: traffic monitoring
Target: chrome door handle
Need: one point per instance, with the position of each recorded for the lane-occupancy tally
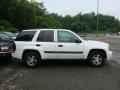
(38, 45)
(60, 45)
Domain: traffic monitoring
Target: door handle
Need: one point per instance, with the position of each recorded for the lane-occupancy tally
(38, 45)
(60, 45)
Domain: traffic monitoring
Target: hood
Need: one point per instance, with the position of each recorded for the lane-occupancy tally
(3, 44)
(98, 43)
(10, 40)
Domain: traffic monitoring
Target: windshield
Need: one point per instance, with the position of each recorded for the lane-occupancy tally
(4, 36)
(10, 34)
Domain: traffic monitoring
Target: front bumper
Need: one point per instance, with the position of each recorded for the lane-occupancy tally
(5, 54)
(109, 55)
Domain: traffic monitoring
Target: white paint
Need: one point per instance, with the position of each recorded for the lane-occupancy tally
(84, 46)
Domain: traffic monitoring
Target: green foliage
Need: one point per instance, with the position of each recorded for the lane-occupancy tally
(52, 22)
(6, 26)
(86, 23)
(2, 28)
(24, 14)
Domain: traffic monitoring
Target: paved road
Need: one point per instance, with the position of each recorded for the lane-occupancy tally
(63, 75)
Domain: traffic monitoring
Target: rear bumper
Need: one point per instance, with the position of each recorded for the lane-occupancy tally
(17, 55)
(109, 55)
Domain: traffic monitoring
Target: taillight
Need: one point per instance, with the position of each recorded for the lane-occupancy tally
(14, 47)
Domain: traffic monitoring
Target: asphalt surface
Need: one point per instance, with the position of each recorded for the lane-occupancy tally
(63, 75)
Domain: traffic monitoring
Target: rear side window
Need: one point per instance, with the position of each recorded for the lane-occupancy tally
(46, 36)
(26, 36)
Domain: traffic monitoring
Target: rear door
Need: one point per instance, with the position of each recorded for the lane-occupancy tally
(46, 40)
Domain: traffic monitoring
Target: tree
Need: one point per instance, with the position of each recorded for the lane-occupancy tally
(23, 14)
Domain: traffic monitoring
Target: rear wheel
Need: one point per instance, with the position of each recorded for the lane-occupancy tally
(31, 59)
(96, 58)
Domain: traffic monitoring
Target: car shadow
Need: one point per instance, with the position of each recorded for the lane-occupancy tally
(64, 63)
(4, 62)
(57, 63)
(47, 63)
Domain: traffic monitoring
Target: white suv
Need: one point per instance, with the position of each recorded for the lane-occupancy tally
(35, 45)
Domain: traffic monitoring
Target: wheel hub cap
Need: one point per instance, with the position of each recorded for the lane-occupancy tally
(97, 59)
(31, 60)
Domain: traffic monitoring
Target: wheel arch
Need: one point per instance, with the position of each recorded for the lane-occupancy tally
(30, 50)
(101, 50)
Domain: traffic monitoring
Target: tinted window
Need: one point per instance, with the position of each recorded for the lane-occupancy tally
(65, 36)
(46, 36)
(26, 36)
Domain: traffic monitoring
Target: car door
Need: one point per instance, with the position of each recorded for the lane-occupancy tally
(69, 46)
(46, 42)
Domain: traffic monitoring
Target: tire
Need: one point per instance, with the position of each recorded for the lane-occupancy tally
(31, 59)
(96, 59)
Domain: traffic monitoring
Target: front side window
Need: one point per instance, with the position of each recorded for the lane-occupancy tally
(46, 36)
(25, 36)
(65, 36)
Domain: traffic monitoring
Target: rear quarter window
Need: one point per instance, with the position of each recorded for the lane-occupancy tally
(25, 36)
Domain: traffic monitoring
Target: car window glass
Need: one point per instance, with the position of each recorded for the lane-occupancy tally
(65, 36)
(4, 36)
(25, 36)
(10, 34)
(46, 36)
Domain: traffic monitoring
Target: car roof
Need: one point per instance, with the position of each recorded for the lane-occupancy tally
(45, 29)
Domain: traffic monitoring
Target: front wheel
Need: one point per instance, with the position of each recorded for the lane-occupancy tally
(31, 59)
(96, 58)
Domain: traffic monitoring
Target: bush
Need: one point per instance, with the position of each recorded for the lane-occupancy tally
(2, 28)
(6, 26)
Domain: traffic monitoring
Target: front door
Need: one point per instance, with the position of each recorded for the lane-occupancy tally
(69, 46)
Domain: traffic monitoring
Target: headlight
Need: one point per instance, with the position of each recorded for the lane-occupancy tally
(4, 49)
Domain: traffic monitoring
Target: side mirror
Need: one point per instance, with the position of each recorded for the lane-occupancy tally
(77, 41)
